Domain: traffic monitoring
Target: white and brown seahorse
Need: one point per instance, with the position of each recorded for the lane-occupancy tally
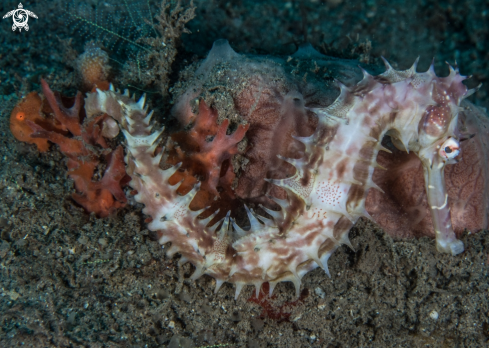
(325, 196)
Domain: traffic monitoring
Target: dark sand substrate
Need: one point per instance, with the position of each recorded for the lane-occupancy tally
(68, 279)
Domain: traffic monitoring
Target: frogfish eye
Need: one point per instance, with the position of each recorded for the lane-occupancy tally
(449, 149)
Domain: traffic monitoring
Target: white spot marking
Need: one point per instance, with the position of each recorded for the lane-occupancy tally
(444, 204)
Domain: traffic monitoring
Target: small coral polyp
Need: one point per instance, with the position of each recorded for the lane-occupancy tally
(325, 196)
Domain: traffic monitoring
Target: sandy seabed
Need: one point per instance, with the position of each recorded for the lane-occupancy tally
(68, 279)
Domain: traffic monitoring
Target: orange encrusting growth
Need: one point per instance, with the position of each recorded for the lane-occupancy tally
(80, 142)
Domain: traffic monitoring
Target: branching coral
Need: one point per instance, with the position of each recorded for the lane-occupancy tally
(170, 26)
(105, 196)
(205, 153)
(83, 143)
(144, 44)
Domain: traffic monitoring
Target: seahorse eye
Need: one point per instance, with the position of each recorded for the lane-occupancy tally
(450, 149)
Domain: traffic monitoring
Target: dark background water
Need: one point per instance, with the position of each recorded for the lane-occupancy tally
(398, 30)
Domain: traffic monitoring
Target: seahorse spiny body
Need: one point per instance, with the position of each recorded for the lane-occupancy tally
(325, 196)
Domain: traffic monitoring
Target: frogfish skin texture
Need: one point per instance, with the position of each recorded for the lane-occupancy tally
(301, 161)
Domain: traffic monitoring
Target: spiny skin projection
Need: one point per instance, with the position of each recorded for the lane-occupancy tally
(326, 195)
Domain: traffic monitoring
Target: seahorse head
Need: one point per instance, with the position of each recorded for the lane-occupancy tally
(437, 128)
(435, 141)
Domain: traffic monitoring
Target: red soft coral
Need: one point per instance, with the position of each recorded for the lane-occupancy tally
(205, 152)
(105, 196)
